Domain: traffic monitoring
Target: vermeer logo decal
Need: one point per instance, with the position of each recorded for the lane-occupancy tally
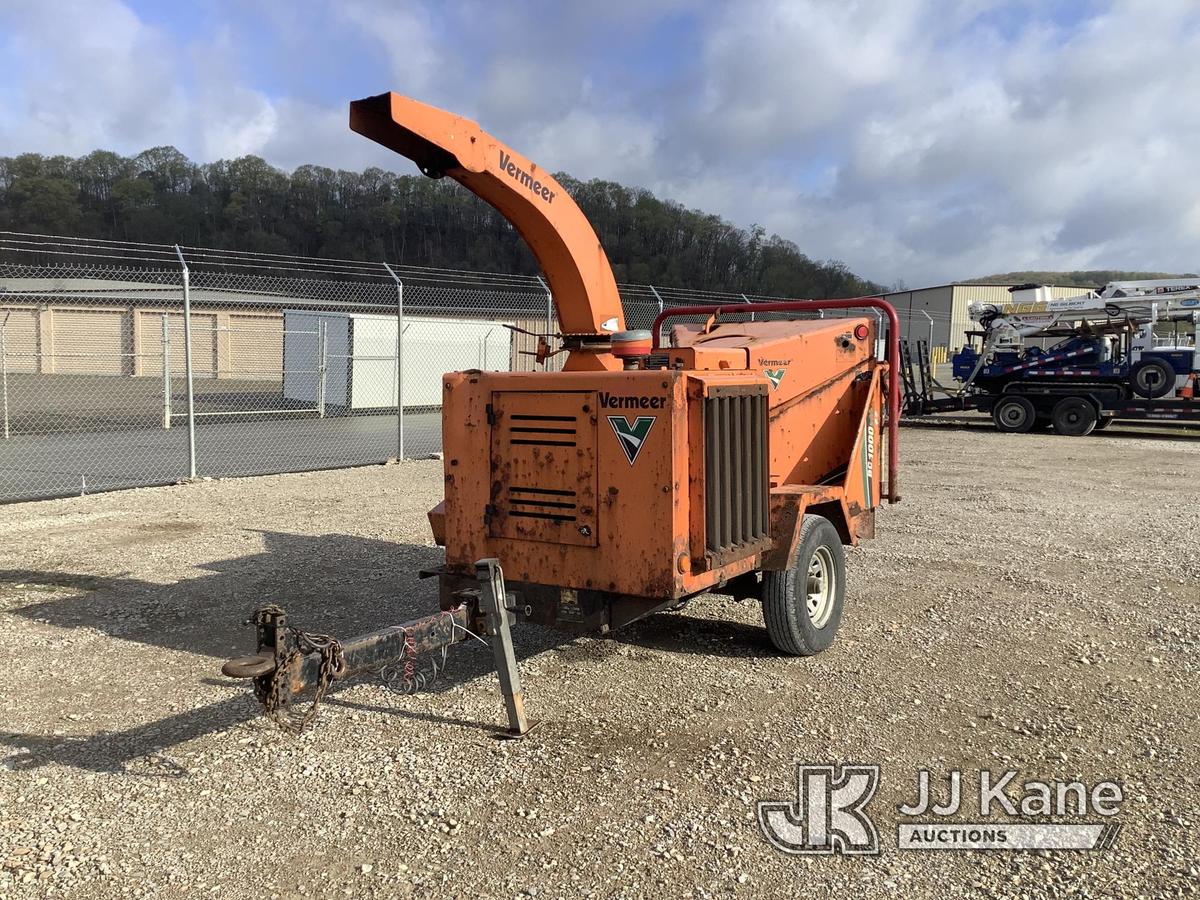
(526, 179)
(774, 376)
(631, 437)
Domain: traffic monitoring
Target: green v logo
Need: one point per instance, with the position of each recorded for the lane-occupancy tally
(631, 437)
(774, 376)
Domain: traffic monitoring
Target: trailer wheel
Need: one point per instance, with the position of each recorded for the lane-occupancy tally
(1014, 415)
(1074, 416)
(802, 606)
(1152, 378)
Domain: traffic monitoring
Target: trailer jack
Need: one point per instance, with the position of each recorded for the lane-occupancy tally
(288, 661)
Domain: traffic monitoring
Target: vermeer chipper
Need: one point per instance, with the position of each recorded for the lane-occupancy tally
(736, 457)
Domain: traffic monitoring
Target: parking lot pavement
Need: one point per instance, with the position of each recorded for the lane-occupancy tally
(58, 465)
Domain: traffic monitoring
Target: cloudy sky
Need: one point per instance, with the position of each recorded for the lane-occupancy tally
(922, 140)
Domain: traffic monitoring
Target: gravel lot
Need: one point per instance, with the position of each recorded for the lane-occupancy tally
(1031, 605)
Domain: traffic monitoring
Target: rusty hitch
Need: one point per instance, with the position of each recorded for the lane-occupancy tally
(360, 654)
(289, 662)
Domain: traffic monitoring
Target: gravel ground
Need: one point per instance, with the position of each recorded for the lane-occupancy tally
(1031, 605)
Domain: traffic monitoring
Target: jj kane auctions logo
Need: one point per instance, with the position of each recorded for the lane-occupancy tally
(829, 814)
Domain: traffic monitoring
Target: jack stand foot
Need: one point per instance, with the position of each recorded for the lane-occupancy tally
(493, 598)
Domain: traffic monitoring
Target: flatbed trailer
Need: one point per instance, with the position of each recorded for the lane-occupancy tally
(1072, 408)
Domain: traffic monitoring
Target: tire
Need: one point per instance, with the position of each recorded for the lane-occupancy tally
(798, 622)
(1014, 415)
(1074, 416)
(1152, 378)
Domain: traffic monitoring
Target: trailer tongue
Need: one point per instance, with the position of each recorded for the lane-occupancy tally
(289, 662)
(738, 457)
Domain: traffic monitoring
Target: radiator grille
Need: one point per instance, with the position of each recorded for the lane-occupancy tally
(736, 512)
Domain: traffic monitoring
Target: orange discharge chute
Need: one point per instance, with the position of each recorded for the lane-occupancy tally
(441, 143)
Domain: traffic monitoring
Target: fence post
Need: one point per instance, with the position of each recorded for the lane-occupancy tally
(930, 318)
(322, 364)
(549, 304)
(399, 361)
(657, 297)
(187, 362)
(166, 364)
(4, 368)
(746, 299)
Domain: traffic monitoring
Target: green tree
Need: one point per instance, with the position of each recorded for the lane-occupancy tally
(161, 196)
(45, 204)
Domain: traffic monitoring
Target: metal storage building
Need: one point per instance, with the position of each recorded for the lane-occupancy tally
(350, 358)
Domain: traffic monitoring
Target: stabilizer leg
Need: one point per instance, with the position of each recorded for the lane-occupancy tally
(493, 598)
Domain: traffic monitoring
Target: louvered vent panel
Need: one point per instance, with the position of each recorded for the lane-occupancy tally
(736, 511)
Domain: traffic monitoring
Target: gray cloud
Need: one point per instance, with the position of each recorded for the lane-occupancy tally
(911, 139)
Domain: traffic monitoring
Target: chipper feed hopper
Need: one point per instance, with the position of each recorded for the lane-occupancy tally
(735, 456)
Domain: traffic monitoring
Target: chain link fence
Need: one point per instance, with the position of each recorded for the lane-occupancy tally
(126, 364)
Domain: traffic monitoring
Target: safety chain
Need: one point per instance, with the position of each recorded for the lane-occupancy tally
(275, 696)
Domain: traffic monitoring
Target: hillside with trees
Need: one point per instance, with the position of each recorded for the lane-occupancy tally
(161, 196)
(1090, 278)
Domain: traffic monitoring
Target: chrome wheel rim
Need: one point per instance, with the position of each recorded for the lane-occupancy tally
(820, 585)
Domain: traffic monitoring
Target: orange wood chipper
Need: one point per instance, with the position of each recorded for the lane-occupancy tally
(735, 456)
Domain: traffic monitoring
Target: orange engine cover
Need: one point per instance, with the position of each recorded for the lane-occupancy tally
(657, 482)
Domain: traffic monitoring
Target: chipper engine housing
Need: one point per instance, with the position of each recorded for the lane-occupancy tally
(610, 494)
(738, 456)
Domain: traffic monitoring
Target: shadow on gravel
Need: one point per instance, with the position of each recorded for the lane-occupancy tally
(334, 583)
(338, 584)
(686, 632)
(135, 751)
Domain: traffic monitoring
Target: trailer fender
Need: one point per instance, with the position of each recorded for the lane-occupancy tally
(790, 503)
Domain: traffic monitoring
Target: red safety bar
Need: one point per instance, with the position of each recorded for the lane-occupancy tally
(893, 355)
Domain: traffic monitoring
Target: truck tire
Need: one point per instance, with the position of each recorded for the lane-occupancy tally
(1152, 378)
(1074, 416)
(1014, 415)
(802, 606)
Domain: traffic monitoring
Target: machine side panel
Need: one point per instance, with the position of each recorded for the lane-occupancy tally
(640, 455)
(543, 464)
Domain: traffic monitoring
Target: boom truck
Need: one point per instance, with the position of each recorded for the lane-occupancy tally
(732, 456)
(1127, 352)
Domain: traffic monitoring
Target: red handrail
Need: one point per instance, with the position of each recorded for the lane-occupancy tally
(893, 355)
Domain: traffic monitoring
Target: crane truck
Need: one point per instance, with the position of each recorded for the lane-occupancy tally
(727, 456)
(1127, 352)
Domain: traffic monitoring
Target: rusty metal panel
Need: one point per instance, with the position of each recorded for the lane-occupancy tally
(543, 467)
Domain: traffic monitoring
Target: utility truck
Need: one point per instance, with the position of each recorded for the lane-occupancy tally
(1075, 364)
